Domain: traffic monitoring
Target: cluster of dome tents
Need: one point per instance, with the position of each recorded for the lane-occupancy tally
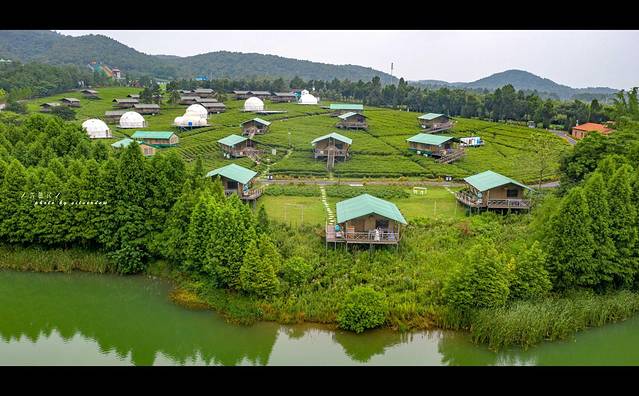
(196, 115)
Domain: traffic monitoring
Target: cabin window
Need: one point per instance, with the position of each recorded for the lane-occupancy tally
(512, 193)
(231, 185)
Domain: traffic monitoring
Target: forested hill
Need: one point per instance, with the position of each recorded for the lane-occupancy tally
(523, 80)
(53, 48)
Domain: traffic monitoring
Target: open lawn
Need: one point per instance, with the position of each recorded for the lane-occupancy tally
(379, 152)
(436, 203)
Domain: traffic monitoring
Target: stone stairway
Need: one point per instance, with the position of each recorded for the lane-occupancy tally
(329, 211)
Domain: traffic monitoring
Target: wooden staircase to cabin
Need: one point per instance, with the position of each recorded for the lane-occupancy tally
(330, 159)
(450, 157)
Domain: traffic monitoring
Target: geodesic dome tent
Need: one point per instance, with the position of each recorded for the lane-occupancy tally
(131, 119)
(253, 104)
(96, 129)
(196, 110)
(190, 120)
(307, 98)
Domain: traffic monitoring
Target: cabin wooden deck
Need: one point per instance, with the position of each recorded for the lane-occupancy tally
(352, 125)
(438, 127)
(368, 237)
(473, 202)
(449, 156)
(326, 152)
(250, 195)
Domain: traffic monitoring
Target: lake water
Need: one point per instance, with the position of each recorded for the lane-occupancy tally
(89, 319)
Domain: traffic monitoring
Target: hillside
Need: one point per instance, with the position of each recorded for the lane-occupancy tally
(53, 48)
(523, 80)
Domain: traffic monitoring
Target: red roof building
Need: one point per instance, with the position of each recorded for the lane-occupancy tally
(581, 131)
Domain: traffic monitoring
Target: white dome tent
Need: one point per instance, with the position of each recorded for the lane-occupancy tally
(307, 98)
(253, 104)
(190, 120)
(96, 129)
(131, 119)
(197, 110)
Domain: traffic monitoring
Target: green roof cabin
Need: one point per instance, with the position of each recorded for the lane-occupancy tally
(147, 150)
(352, 120)
(341, 108)
(331, 147)
(366, 219)
(444, 148)
(157, 139)
(238, 146)
(256, 126)
(490, 190)
(435, 122)
(237, 180)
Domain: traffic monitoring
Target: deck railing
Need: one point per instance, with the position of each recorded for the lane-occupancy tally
(352, 124)
(438, 127)
(508, 203)
(334, 152)
(450, 155)
(371, 236)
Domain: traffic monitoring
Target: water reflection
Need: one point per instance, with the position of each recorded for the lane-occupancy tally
(86, 319)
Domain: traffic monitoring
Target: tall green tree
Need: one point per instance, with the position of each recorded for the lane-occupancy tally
(571, 244)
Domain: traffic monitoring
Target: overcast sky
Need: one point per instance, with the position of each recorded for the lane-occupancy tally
(575, 58)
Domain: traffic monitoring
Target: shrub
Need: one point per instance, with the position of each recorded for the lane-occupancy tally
(363, 309)
(129, 259)
(480, 282)
(296, 270)
(531, 280)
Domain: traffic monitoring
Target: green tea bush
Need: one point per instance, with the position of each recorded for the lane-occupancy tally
(298, 190)
(296, 270)
(363, 309)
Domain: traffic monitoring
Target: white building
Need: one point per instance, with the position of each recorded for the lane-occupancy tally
(253, 104)
(307, 98)
(196, 110)
(131, 119)
(96, 129)
(190, 120)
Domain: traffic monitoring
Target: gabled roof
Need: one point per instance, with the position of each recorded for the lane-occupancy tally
(232, 140)
(335, 136)
(431, 116)
(234, 172)
(146, 106)
(427, 138)
(284, 94)
(212, 104)
(91, 91)
(258, 120)
(50, 104)
(152, 135)
(134, 96)
(488, 180)
(366, 204)
(240, 92)
(592, 127)
(260, 92)
(71, 99)
(203, 90)
(349, 115)
(189, 97)
(122, 143)
(206, 100)
(346, 106)
(114, 112)
(126, 100)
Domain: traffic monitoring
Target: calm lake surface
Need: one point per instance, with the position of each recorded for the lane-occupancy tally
(89, 319)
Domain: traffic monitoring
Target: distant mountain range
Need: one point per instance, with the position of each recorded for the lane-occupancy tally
(54, 48)
(523, 80)
(50, 47)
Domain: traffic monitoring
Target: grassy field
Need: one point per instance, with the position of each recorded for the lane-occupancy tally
(379, 152)
(436, 203)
